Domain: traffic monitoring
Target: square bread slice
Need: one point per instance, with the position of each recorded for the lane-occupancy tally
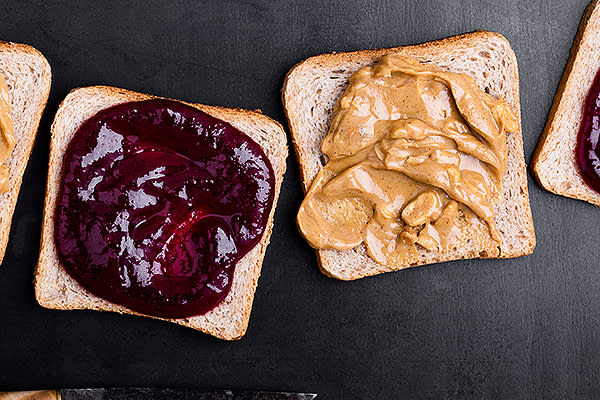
(28, 77)
(312, 88)
(56, 289)
(554, 163)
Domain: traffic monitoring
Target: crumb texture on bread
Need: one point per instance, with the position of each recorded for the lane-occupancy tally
(27, 74)
(313, 86)
(554, 163)
(55, 288)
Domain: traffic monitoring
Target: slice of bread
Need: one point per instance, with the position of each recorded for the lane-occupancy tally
(55, 288)
(554, 163)
(28, 76)
(312, 88)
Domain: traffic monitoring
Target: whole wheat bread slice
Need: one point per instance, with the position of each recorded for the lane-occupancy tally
(55, 288)
(27, 74)
(554, 163)
(313, 86)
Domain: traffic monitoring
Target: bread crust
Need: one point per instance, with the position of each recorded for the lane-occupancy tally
(28, 75)
(56, 289)
(556, 146)
(355, 264)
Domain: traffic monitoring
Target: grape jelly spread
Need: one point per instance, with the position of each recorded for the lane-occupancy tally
(587, 151)
(158, 202)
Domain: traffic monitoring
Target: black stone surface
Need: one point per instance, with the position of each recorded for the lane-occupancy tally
(482, 329)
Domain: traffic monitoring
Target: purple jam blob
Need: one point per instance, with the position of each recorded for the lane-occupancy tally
(158, 201)
(587, 150)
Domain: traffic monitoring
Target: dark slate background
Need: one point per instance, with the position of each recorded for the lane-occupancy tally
(527, 328)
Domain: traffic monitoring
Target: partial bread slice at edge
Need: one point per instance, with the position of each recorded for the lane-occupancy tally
(55, 288)
(313, 86)
(554, 163)
(28, 76)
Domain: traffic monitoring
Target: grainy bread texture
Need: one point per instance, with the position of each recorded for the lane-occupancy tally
(312, 88)
(55, 288)
(27, 74)
(554, 163)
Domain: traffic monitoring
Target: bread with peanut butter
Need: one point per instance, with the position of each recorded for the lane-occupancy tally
(55, 288)
(25, 79)
(554, 162)
(410, 155)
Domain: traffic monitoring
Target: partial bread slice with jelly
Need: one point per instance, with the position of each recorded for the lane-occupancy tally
(312, 88)
(55, 288)
(554, 162)
(28, 77)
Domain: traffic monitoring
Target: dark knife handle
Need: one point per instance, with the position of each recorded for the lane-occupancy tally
(175, 394)
(143, 393)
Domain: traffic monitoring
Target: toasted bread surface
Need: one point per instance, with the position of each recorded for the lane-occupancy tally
(554, 163)
(55, 288)
(28, 76)
(312, 88)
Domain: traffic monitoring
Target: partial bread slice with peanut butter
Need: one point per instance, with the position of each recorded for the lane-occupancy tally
(28, 77)
(314, 86)
(56, 289)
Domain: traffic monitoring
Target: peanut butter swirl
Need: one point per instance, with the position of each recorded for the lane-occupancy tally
(416, 155)
(7, 135)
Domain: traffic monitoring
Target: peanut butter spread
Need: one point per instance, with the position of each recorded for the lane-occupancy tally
(7, 136)
(416, 154)
(31, 395)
